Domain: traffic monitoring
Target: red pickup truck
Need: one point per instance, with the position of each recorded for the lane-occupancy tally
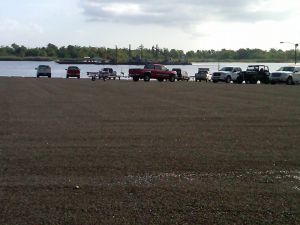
(152, 71)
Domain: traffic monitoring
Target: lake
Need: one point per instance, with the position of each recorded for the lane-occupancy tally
(27, 68)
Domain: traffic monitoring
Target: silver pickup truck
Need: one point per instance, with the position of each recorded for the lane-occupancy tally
(107, 73)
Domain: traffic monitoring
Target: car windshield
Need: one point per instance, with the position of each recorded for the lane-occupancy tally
(253, 68)
(287, 68)
(164, 68)
(227, 69)
(201, 70)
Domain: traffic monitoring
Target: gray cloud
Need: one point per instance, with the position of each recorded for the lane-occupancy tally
(176, 12)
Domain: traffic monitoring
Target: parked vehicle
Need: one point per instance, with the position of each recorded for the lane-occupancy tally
(253, 74)
(287, 74)
(107, 73)
(181, 75)
(73, 71)
(152, 71)
(226, 74)
(43, 70)
(203, 74)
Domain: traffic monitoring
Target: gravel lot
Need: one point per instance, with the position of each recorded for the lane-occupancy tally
(120, 152)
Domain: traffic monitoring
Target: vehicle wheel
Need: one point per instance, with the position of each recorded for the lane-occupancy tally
(289, 81)
(135, 79)
(67, 76)
(37, 76)
(146, 77)
(171, 78)
(114, 78)
(78, 77)
(160, 79)
(228, 79)
(215, 81)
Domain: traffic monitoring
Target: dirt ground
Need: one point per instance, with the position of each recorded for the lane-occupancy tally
(77, 152)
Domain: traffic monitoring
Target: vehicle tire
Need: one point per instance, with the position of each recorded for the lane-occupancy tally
(114, 78)
(273, 82)
(67, 76)
(146, 77)
(215, 81)
(289, 81)
(228, 79)
(172, 78)
(135, 79)
(37, 76)
(49, 76)
(160, 79)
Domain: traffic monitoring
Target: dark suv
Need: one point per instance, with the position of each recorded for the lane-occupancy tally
(255, 73)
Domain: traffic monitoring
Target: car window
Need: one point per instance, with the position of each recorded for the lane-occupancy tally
(157, 67)
(149, 66)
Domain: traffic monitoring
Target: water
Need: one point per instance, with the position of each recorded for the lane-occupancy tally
(27, 69)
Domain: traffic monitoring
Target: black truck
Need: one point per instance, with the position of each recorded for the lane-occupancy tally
(255, 73)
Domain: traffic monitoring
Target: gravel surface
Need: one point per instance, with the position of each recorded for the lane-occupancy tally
(120, 152)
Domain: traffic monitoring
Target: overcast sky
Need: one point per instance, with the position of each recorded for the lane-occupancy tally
(185, 25)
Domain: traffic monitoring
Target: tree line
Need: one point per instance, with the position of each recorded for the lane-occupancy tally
(142, 55)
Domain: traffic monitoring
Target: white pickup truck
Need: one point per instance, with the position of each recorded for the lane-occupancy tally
(226, 74)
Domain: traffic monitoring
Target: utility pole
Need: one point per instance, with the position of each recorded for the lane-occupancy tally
(116, 57)
(296, 46)
(141, 52)
(129, 52)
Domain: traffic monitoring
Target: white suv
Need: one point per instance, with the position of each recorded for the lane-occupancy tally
(43, 70)
(287, 74)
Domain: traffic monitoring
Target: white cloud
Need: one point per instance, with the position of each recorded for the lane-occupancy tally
(181, 13)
